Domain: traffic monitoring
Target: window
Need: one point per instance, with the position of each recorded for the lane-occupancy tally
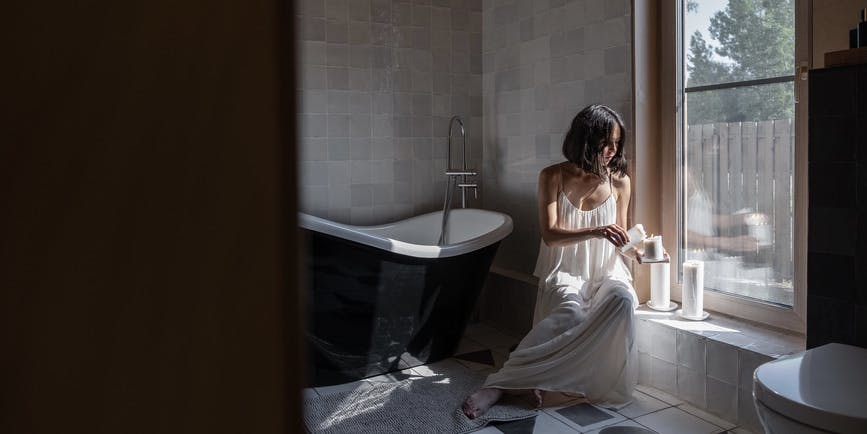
(741, 163)
(739, 145)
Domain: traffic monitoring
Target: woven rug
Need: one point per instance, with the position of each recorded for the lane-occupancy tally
(417, 404)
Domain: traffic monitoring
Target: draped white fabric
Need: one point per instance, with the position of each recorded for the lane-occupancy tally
(582, 341)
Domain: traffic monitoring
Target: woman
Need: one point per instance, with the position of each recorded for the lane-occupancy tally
(582, 339)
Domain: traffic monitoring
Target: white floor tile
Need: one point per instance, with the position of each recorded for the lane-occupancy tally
(658, 394)
(718, 421)
(676, 421)
(629, 423)
(642, 404)
(545, 424)
(337, 388)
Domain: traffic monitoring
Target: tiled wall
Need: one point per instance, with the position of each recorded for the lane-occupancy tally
(709, 364)
(379, 80)
(544, 60)
(837, 292)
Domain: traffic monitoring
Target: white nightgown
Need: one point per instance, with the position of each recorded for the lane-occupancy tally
(582, 340)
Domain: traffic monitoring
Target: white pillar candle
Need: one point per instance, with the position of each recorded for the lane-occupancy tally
(660, 290)
(693, 288)
(653, 248)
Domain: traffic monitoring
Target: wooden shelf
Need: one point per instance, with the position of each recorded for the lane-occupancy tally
(853, 56)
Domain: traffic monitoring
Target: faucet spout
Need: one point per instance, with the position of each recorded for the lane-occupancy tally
(457, 119)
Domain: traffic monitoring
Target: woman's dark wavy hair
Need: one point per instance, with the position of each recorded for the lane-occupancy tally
(583, 144)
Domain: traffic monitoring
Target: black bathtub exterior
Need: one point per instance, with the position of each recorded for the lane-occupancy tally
(367, 307)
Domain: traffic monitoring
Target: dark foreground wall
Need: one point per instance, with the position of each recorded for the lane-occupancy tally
(837, 262)
(147, 245)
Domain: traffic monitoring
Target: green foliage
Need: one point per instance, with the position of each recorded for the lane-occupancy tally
(756, 39)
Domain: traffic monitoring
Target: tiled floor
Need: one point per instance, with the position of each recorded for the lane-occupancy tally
(484, 349)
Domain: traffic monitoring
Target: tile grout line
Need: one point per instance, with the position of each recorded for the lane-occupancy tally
(677, 406)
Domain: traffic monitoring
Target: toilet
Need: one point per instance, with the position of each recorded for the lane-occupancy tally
(820, 390)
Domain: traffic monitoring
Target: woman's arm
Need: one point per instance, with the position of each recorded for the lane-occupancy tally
(623, 188)
(555, 236)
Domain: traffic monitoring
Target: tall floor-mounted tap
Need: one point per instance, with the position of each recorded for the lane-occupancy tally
(463, 172)
(452, 175)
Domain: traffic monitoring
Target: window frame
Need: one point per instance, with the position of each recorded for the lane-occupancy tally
(672, 131)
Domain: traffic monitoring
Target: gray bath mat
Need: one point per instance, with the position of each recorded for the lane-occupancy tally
(418, 404)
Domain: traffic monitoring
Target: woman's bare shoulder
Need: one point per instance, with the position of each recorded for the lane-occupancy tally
(550, 173)
(620, 181)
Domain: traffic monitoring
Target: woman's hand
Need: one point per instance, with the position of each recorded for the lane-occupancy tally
(613, 233)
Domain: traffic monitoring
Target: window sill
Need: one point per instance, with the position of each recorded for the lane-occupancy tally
(708, 363)
(729, 330)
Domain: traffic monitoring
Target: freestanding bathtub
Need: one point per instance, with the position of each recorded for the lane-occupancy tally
(386, 297)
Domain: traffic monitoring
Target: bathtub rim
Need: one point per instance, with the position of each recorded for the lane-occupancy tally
(360, 234)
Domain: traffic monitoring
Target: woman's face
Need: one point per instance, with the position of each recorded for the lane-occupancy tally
(609, 147)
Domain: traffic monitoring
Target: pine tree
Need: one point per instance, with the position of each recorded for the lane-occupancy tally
(756, 40)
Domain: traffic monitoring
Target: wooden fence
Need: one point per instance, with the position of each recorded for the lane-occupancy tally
(749, 165)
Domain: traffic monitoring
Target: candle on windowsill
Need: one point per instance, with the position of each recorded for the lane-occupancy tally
(660, 286)
(693, 288)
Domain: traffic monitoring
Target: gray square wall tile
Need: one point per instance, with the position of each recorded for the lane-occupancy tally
(691, 386)
(748, 361)
(722, 399)
(663, 343)
(722, 362)
(747, 416)
(691, 351)
(663, 375)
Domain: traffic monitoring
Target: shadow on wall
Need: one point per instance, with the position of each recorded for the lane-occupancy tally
(511, 183)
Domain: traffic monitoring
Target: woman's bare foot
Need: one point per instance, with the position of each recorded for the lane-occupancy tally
(478, 403)
(537, 398)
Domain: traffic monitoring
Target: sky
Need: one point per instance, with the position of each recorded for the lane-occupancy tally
(700, 20)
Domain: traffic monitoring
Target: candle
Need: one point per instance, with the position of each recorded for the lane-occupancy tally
(693, 288)
(653, 248)
(660, 291)
(636, 235)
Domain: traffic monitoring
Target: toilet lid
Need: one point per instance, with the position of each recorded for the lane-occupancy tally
(825, 387)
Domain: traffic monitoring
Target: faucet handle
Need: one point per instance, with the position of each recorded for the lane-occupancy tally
(461, 172)
(474, 186)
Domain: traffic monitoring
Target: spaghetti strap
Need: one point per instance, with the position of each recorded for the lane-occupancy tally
(560, 180)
